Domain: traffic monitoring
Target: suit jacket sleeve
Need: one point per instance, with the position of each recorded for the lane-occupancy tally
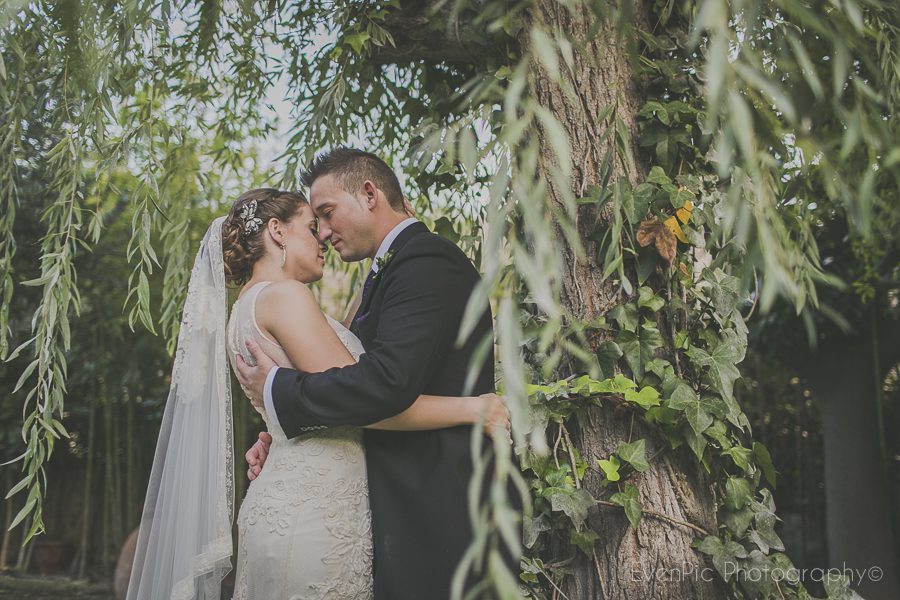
(420, 302)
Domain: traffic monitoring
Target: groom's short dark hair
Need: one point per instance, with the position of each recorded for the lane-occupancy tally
(352, 167)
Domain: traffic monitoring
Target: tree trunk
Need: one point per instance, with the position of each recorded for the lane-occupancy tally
(7, 520)
(657, 560)
(857, 505)
(84, 546)
(131, 468)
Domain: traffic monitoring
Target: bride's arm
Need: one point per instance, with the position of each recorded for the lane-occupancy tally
(288, 312)
(437, 412)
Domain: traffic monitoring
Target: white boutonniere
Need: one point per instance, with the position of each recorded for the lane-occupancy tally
(382, 262)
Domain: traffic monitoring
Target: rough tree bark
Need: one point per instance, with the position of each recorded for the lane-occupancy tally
(626, 563)
(657, 560)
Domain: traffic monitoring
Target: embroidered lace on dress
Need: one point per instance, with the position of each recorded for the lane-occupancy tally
(304, 528)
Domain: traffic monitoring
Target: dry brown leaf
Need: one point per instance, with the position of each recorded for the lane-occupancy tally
(666, 244)
(646, 232)
(651, 231)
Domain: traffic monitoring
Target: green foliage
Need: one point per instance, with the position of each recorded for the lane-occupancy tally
(744, 125)
(688, 402)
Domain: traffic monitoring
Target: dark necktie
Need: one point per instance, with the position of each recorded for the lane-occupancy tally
(367, 288)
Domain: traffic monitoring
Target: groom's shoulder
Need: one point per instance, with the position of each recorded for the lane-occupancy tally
(427, 256)
(428, 243)
(430, 250)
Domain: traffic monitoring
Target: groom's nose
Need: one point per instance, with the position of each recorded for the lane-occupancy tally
(324, 233)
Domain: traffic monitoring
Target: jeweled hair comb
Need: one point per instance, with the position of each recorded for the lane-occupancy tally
(252, 223)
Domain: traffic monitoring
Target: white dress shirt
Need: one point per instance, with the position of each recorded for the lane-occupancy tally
(382, 250)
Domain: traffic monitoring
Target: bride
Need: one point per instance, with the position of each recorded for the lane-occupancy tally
(304, 525)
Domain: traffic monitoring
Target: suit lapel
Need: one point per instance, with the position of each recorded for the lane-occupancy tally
(402, 238)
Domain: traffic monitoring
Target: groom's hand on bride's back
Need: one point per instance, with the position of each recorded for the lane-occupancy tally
(253, 377)
(256, 455)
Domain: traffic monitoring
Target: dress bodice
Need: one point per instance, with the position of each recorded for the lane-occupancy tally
(243, 325)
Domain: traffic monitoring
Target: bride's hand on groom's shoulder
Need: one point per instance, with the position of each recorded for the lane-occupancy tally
(495, 413)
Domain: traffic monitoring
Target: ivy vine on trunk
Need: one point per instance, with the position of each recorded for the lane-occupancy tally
(618, 170)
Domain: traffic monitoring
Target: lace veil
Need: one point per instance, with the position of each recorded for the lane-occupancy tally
(184, 546)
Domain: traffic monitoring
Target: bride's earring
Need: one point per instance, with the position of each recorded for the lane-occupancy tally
(283, 254)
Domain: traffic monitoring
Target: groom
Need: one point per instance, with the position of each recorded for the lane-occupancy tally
(408, 320)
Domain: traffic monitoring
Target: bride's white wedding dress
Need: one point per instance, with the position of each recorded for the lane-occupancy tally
(304, 527)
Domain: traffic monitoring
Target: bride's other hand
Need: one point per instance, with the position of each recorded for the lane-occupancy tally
(495, 412)
(257, 454)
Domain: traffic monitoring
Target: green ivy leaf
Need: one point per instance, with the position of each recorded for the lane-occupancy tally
(610, 468)
(626, 315)
(646, 398)
(608, 354)
(737, 493)
(581, 386)
(679, 196)
(574, 503)
(724, 293)
(550, 390)
(630, 501)
(662, 369)
(723, 553)
(634, 454)
(638, 347)
(655, 108)
(837, 586)
(764, 460)
(616, 385)
(584, 540)
(740, 456)
(720, 364)
(696, 442)
(641, 199)
(532, 529)
(658, 176)
(719, 432)
(647, 261)
(763, 532)
(648, 299)
(738, 521)
(684, 398)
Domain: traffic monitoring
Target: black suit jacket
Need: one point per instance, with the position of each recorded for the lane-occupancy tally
(418, 481)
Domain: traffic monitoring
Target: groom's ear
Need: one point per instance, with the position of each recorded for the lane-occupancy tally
(370, 190)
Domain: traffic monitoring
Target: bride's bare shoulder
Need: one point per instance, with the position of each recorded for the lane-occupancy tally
(283, 298)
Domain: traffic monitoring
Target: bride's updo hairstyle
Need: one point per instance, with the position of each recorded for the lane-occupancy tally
(244, 227)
